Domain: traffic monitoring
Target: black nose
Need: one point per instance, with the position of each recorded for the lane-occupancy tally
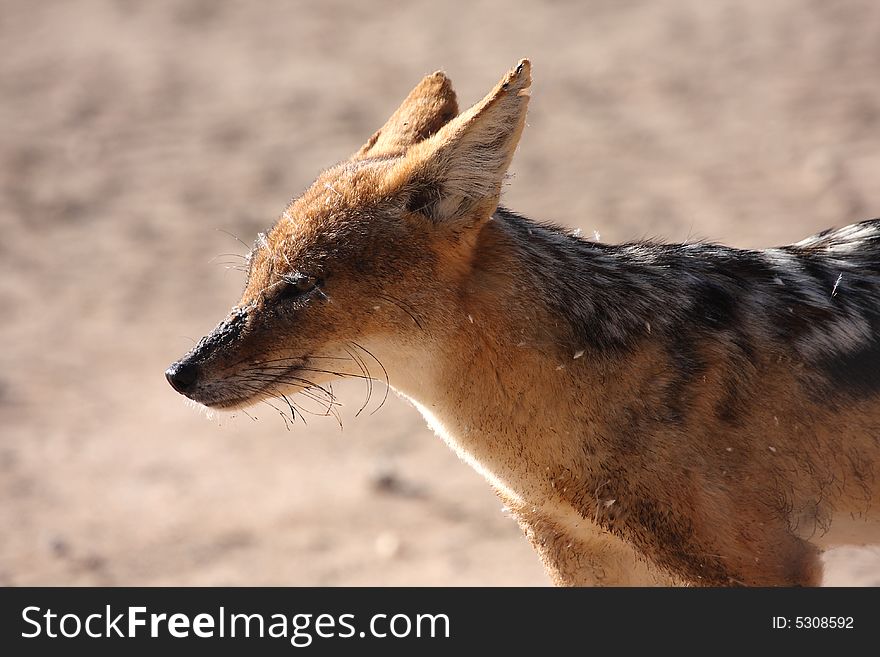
(182, 376)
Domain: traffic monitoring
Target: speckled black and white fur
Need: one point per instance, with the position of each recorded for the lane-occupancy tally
(762, 384)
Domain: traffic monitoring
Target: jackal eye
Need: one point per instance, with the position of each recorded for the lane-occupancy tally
(296, 286)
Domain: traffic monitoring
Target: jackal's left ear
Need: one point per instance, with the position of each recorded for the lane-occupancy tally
(429, 107)
(457, 173)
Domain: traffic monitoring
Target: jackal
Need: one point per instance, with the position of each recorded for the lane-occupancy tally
(650, 413)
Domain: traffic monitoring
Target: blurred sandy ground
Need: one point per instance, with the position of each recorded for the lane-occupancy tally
(131, 131)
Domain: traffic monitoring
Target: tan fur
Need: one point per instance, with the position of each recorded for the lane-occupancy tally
(416, 273)
(427, 108)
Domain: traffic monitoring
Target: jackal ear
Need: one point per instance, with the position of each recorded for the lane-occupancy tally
(457, 173)
(428, 108)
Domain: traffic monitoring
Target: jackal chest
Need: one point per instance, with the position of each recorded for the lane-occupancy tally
(520, 476)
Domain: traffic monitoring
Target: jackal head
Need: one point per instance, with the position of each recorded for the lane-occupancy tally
(375, 252)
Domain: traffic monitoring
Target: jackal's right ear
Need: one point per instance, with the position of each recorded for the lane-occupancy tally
(429, 107)
(455, 176)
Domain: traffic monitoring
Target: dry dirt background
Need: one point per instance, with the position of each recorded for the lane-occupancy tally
(131, 131)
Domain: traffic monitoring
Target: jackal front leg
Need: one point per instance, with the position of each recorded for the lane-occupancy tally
(580, 553)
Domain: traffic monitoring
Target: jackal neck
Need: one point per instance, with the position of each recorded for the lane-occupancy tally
(588, 296)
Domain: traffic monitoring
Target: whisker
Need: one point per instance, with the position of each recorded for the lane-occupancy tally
(384, 373)
(303, 410)
(335, 412)
(342, 375)
(311, 390)
(308, 394)
(328, 402)
(259, 390)
(262, 379)
(236, 237)
(288, 359)
(283, 416)
(404, 306)
(272, 369)
(290, 406)
(366, 377)
(228, 255)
